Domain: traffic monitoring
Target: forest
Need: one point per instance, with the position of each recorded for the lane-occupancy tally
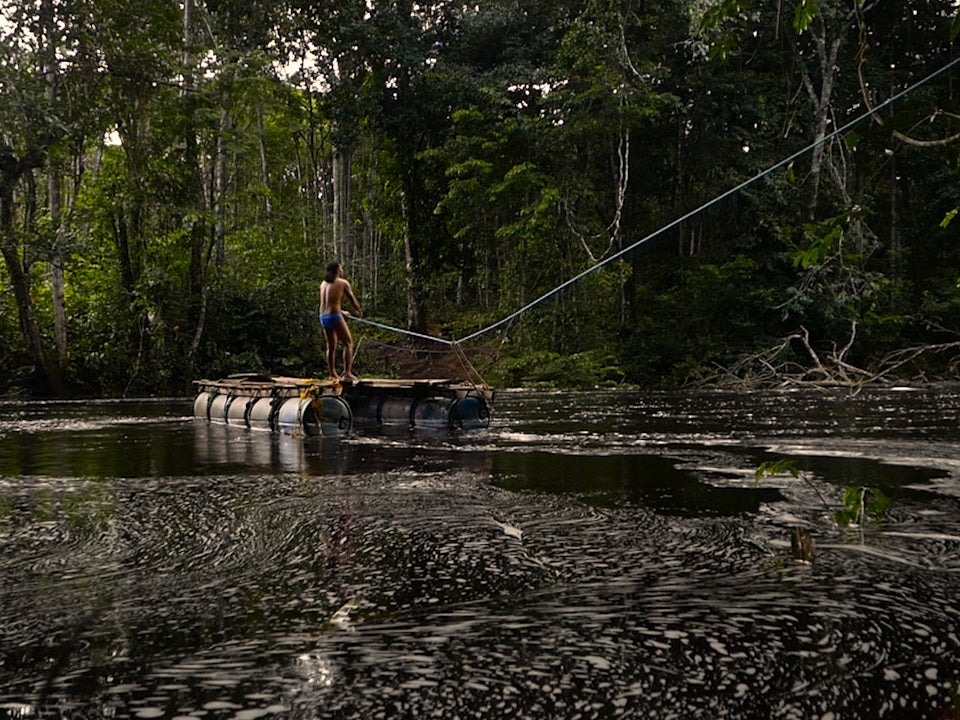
(751, 192)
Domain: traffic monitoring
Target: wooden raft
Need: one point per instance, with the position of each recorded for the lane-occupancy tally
(313, 406)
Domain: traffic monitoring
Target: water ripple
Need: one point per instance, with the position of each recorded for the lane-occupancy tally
(609, 557)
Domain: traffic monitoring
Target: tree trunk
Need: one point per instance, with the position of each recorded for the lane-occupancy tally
(51, 75)
(342, 172)
(372, 237)
(18, 270)
(313, 201)
(129, 222)
(220, 181)
(415, 320)
(20, 281)
(821, 98)
(265, 175)
(57, 263)
(895, 246)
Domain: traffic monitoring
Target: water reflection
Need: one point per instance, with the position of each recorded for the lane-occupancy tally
(609, 480)
(596, 555)
(223, 446)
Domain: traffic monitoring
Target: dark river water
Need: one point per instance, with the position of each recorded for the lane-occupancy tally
(590, 555)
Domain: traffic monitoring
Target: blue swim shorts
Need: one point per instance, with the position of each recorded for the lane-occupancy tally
(328, 320)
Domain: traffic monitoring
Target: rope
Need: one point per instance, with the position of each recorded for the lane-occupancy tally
(711, 203)
(683, 218)
(419, 350)
(471, 373)
(400, 330)
(473, 376)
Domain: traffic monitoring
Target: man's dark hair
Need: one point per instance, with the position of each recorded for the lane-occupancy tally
(333, 269)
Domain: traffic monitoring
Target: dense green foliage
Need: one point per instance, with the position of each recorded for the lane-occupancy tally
(175, 175)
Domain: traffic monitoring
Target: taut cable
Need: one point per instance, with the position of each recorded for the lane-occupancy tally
(669, 226)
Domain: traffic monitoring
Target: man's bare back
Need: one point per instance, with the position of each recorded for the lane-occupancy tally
(332, 293)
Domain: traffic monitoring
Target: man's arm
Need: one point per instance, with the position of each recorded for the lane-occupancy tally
(348, 291)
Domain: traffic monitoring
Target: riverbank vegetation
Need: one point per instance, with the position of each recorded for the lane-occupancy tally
(174, 176)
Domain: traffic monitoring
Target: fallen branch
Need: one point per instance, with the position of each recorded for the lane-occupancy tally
(779, 365)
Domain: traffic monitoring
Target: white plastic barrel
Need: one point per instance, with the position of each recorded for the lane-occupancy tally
(290, 416)
(201, 405)
(258, 415)
(236, 410)
(217, 408)
(328, 415)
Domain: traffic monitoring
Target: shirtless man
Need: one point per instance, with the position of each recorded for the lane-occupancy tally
(333, 318)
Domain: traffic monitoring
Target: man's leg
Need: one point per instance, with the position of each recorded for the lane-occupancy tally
(343, 333)
(331, 334)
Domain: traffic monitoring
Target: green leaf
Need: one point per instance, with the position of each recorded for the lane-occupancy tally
(807, 10)
(777, 467)
(948, 218)
(955, 28)
(852, 139)
(878, 504)
(818, 251)
(861, 502)
(852, 496)
(791, 175)
(724, 22)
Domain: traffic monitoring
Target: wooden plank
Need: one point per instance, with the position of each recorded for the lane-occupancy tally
(266, 386)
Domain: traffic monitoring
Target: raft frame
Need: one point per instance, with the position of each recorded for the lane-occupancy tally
(332, 407)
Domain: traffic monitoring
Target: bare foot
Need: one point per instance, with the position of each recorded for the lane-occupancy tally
(349, 378)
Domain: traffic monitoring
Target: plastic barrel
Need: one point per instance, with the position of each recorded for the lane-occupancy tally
(470, 413)
(328, 415)
(218, 408)
(201, 406)
(259, 413)
(290, 417)
(395, 411)
(432, 412)
(333, 415)
(236, 410)
(365, 408)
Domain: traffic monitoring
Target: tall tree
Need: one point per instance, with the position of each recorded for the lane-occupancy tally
(31, 128)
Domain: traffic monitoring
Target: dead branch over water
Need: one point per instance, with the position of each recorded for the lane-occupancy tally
(793, 362)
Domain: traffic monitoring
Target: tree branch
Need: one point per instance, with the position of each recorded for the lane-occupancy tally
(774, 367)
(925, 143)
